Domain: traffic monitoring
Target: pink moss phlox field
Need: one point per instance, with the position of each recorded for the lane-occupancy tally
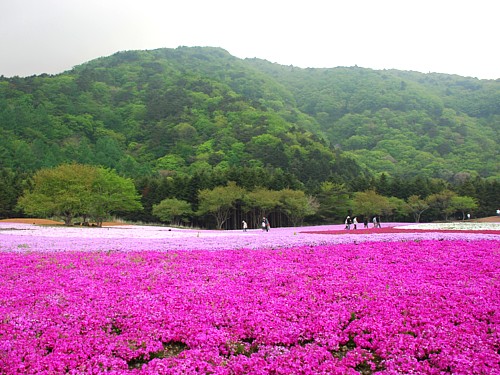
(409, 307)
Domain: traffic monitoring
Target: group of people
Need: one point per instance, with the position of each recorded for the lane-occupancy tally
(348, 222)
(354, 222)
(265, 225)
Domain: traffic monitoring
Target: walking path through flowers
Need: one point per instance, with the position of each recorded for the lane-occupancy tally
(315, 300)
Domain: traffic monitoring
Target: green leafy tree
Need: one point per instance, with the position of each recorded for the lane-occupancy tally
(111, 193)
(464, 204)
(172, 210)
(269, 149)
(368, 203)
(263, 201)
(333, 201)
(219, 202)
(24, 158)
(443, 202)
(62, 192)
(417, 206)
(398, 208)
(297, 205)
(73, 190)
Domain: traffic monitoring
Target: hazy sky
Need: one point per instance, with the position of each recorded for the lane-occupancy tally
(445, 36)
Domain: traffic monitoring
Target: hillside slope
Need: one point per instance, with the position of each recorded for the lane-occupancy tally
(402, 123)
(192, 109)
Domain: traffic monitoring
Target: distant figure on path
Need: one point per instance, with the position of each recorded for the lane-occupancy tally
(374, 221)
(245, 225)
(365, 221)
(265, 224)
(378, 221)
(355, 222)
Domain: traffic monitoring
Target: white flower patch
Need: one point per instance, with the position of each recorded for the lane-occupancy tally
(456, 225)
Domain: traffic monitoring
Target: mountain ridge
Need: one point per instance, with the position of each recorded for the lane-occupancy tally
(193, 108)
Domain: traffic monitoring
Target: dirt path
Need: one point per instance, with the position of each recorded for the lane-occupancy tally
(48, 222)
(491, 219)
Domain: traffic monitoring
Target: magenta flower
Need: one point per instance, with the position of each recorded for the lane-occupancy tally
(393, 303)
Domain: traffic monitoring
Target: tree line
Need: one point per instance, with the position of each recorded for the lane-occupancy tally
(83, 193)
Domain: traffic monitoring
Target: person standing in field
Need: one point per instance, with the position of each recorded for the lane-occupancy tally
(265, 224)
(245, 225)
(355, 222)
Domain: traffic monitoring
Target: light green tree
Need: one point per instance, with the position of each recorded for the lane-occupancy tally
(297, 205)
(398, 207)
(63, 192)
(73, 190)
(172, 210)
(417, 206)
(219, 201)
(111, 193)
(262, 201)
(443, 202)
(368, 203)
(464, 204)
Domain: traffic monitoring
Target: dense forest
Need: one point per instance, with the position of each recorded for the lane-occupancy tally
(177, 121)
(402, 123)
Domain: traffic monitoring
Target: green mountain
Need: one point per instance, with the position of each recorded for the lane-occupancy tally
(401, 123)
(191, 109)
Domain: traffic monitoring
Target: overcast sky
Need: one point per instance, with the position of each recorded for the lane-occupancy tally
(445, 36)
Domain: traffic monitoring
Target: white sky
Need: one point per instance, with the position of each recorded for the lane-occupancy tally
(446, 36)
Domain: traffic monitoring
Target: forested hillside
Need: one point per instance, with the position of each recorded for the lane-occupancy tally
(402, 123)
(167, 110)
(200, 117)
(196, 108)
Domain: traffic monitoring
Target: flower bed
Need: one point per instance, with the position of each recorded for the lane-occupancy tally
(402, 231)
(156, 300)
(25, 237)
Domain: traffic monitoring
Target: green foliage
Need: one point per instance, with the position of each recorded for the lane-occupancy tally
(297, 205)
(158, 110)
(73, 190)
(219, 201)
(464, 204)
(11, 185)
(111, 193)
(443, 201)
(172, 210)
(62, 192)
(368, 203)
(417, 206)
(334, 201)
(402, 123)
(262, 200)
